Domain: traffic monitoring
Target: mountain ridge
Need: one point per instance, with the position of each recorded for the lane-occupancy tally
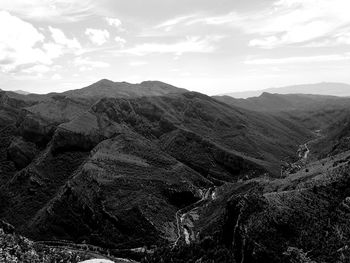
(322, 88)
(178, 172)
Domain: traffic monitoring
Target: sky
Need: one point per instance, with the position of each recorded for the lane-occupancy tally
(208, 46)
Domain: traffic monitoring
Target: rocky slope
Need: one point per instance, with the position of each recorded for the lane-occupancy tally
(126, 193)
(69, 163)
(109, 166)
(301, 218)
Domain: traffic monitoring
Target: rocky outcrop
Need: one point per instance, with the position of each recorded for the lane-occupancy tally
(21, 152)
(36, 129)
(85, 132)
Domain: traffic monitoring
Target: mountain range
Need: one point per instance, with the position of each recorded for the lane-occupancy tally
(154, 172)
(323, 88)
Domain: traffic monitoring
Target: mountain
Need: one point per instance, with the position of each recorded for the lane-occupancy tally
(21, 92)
(269, 102)
(323, 88)
(315, 112)
(305, 217)
(107, 88)
(164, 149)
(177, 174)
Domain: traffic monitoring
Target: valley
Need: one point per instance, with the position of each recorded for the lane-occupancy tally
(146, 172)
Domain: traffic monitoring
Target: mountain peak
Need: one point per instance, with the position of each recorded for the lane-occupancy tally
(23, 92)
(322, 88)
(149, 82)
(104, 82)
(266, 94)
(108, 88)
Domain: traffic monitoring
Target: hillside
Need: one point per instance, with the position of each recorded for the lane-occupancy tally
(314, 112)
(305, 217)
(65, 158)
(16, 248)
(110, 167)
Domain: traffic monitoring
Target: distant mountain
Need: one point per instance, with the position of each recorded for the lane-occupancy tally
(107, 88)
(104, 88)
(324, 88)
(316, 112)
(61, 107)
(21, 92)
(269, 102)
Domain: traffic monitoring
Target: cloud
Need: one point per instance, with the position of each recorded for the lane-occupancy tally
(97, 36)
(171, 23)
(301, 59)
(85, 64)
(189, 45)
(231, 18)
(19, 42)
(50, 10)
(113, 21)
(286, 22)
(121, 41)
(60, 38)
(296, 22)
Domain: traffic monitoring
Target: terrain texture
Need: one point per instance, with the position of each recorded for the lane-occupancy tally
(154, 173)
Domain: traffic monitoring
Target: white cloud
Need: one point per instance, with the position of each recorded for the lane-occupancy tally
(169, 24)
(296, 21)
(121, 41)
(85, 64)
(50, 10)
(232, 18)
(113, 21)
(298, 34)
(189, 45)
(19, 42)
(301, 59)
(288, 22)
(97, 36)
(23, 48)
(60, 38)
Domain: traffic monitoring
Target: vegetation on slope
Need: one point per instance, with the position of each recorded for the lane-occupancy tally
(15, 248)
